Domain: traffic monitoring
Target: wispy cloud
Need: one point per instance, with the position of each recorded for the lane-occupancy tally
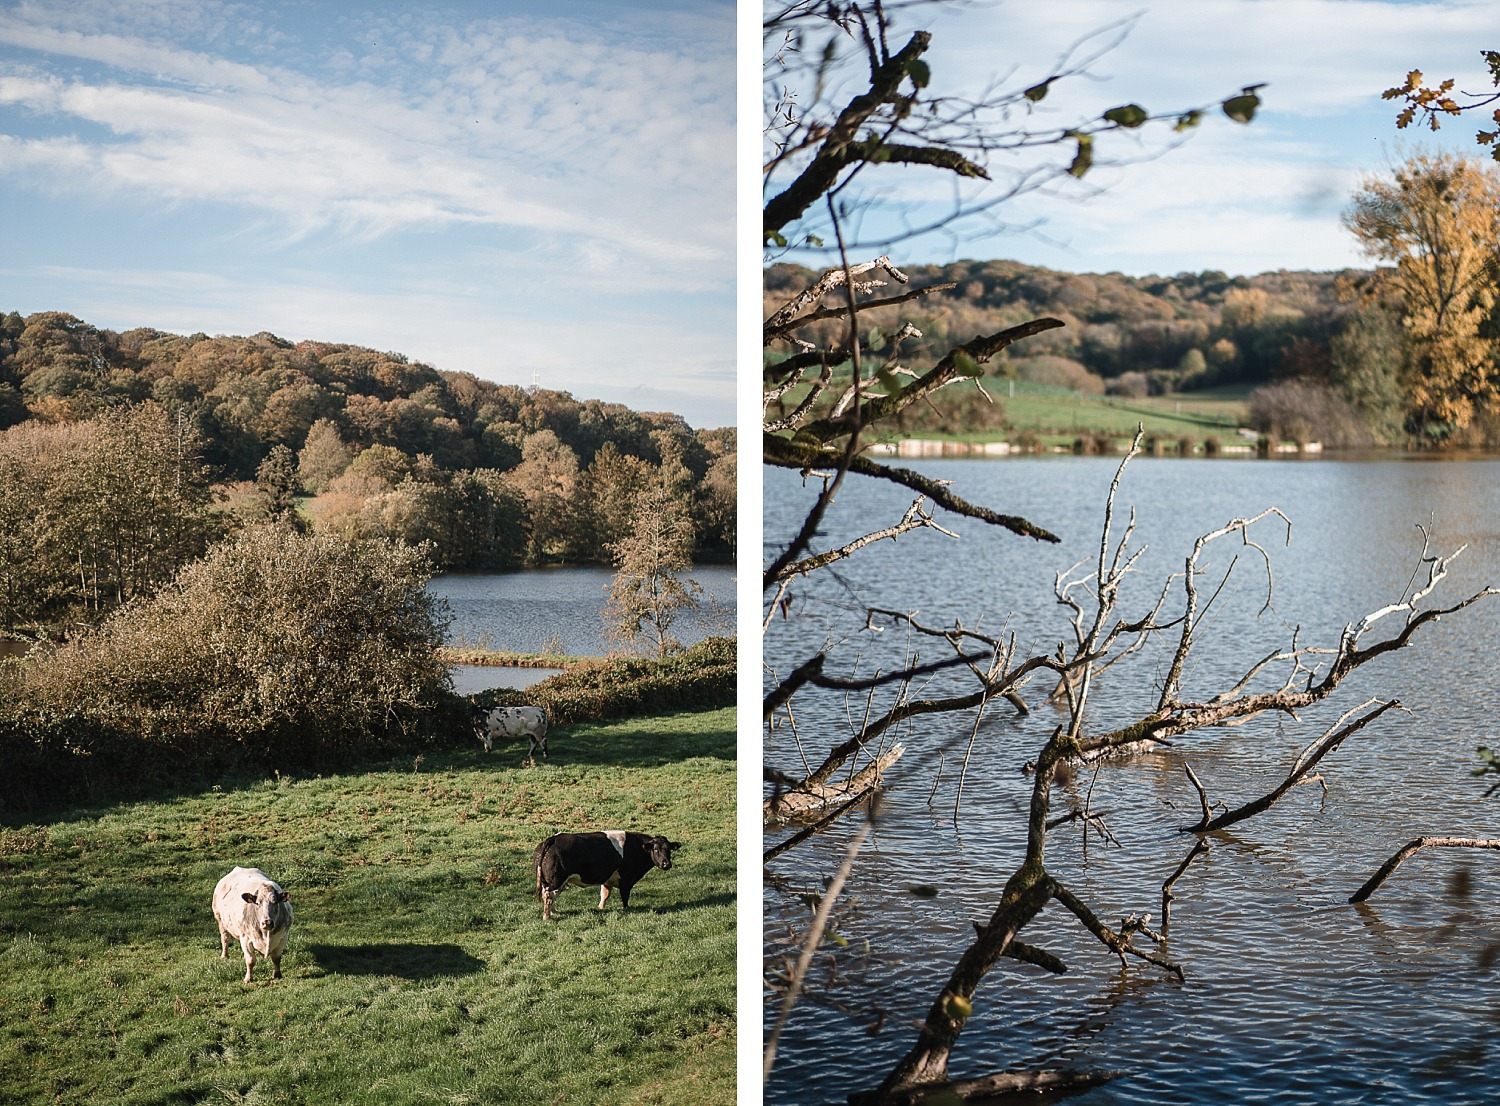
(500, 190)
(495, 124)
(1224, 196)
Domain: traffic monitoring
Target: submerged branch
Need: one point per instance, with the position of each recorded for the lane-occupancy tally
(1415, 845)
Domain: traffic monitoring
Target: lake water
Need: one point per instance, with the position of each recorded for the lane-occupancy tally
(558, 610)
(1291, 994)
(471, 678)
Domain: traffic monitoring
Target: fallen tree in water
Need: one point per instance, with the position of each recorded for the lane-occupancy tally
(1287, 681)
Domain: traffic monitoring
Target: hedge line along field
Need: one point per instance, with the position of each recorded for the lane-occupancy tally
(418, 968)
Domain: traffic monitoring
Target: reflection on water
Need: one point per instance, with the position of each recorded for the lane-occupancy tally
(1291, 994)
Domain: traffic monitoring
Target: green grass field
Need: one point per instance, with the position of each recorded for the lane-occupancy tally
(1057, 416)
(418, 969)
(1053, 413)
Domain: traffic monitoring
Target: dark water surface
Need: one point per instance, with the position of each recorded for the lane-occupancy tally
(1291, 994)
(558, 610)
(471, 678)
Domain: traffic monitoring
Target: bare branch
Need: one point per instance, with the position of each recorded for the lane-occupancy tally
(1200, 847)
(831, 280)
(792, 454)
(914, 519)
(1118, 943)
(1372, 884)
(1309, 758)
(809, 946)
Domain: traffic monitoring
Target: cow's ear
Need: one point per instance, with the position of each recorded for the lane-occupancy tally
(248, 896)
(283, 896)
(674, 845)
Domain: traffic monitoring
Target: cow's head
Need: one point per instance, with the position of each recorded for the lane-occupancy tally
(270, 910)
(661, 851)
(479, 718)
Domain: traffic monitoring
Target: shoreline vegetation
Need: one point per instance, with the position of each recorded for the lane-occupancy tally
(504, 658)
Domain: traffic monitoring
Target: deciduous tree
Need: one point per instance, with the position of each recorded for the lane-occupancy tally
(1436, 221)
(649, 592)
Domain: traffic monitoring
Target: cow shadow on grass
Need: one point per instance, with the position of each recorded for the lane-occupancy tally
(405, 961)
(725, 899)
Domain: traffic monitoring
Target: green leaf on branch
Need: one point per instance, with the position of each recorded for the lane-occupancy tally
(889, 381)
(1085, 155)
(965, 365)
(1038, 92)
(1127, 115)
(919, 72)
(876, 340)
(1188, 120)
(777, 239)
(1241, 108)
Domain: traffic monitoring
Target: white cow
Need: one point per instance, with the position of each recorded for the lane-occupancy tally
(251, 908)
(527, 722)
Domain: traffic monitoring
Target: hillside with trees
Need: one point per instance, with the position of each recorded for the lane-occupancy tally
(1403, 355)
(349, 440)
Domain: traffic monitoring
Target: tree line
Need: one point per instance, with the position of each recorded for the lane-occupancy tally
(1405, 354)
(365, 443)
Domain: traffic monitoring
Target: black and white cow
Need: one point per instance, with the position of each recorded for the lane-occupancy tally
(612, 858)
(527, 722)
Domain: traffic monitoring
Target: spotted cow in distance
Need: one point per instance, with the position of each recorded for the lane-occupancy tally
(527, 722)
(610, 858)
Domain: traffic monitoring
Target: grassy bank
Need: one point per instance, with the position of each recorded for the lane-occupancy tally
(418, 968)
(1056, 414)
(502, 658)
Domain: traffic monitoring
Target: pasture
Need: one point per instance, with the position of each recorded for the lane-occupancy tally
(1056, 414)
(418, 969)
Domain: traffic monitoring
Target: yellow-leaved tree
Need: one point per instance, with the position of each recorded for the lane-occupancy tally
(1437, 219)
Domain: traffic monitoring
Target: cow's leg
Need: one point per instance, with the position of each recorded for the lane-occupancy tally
(603, 894)
(549, 897)
(249, 961)
(276, 964)
(223, 943)
(624, 896)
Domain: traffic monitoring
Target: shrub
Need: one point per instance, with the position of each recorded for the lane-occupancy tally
(698, 678)
(1059, 372)
(276, 647)
(1131, 385)
(1303, 412)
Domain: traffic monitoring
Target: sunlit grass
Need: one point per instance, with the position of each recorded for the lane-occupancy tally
(1056, 413)
(418, 970)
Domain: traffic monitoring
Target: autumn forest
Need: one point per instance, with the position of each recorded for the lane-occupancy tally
(156, 444)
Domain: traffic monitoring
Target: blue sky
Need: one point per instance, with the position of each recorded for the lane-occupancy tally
(519, 190)
(1244, 199)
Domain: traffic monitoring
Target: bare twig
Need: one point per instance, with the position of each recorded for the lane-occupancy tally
(1200, 847)
(1372, 884)
(1309, 758)
(810, 945)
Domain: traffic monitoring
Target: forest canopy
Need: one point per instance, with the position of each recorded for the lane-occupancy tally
(1406, 354)
(355, 441)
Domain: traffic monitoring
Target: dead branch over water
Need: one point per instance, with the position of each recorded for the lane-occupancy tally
(1300, 676)
(1371, 885)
